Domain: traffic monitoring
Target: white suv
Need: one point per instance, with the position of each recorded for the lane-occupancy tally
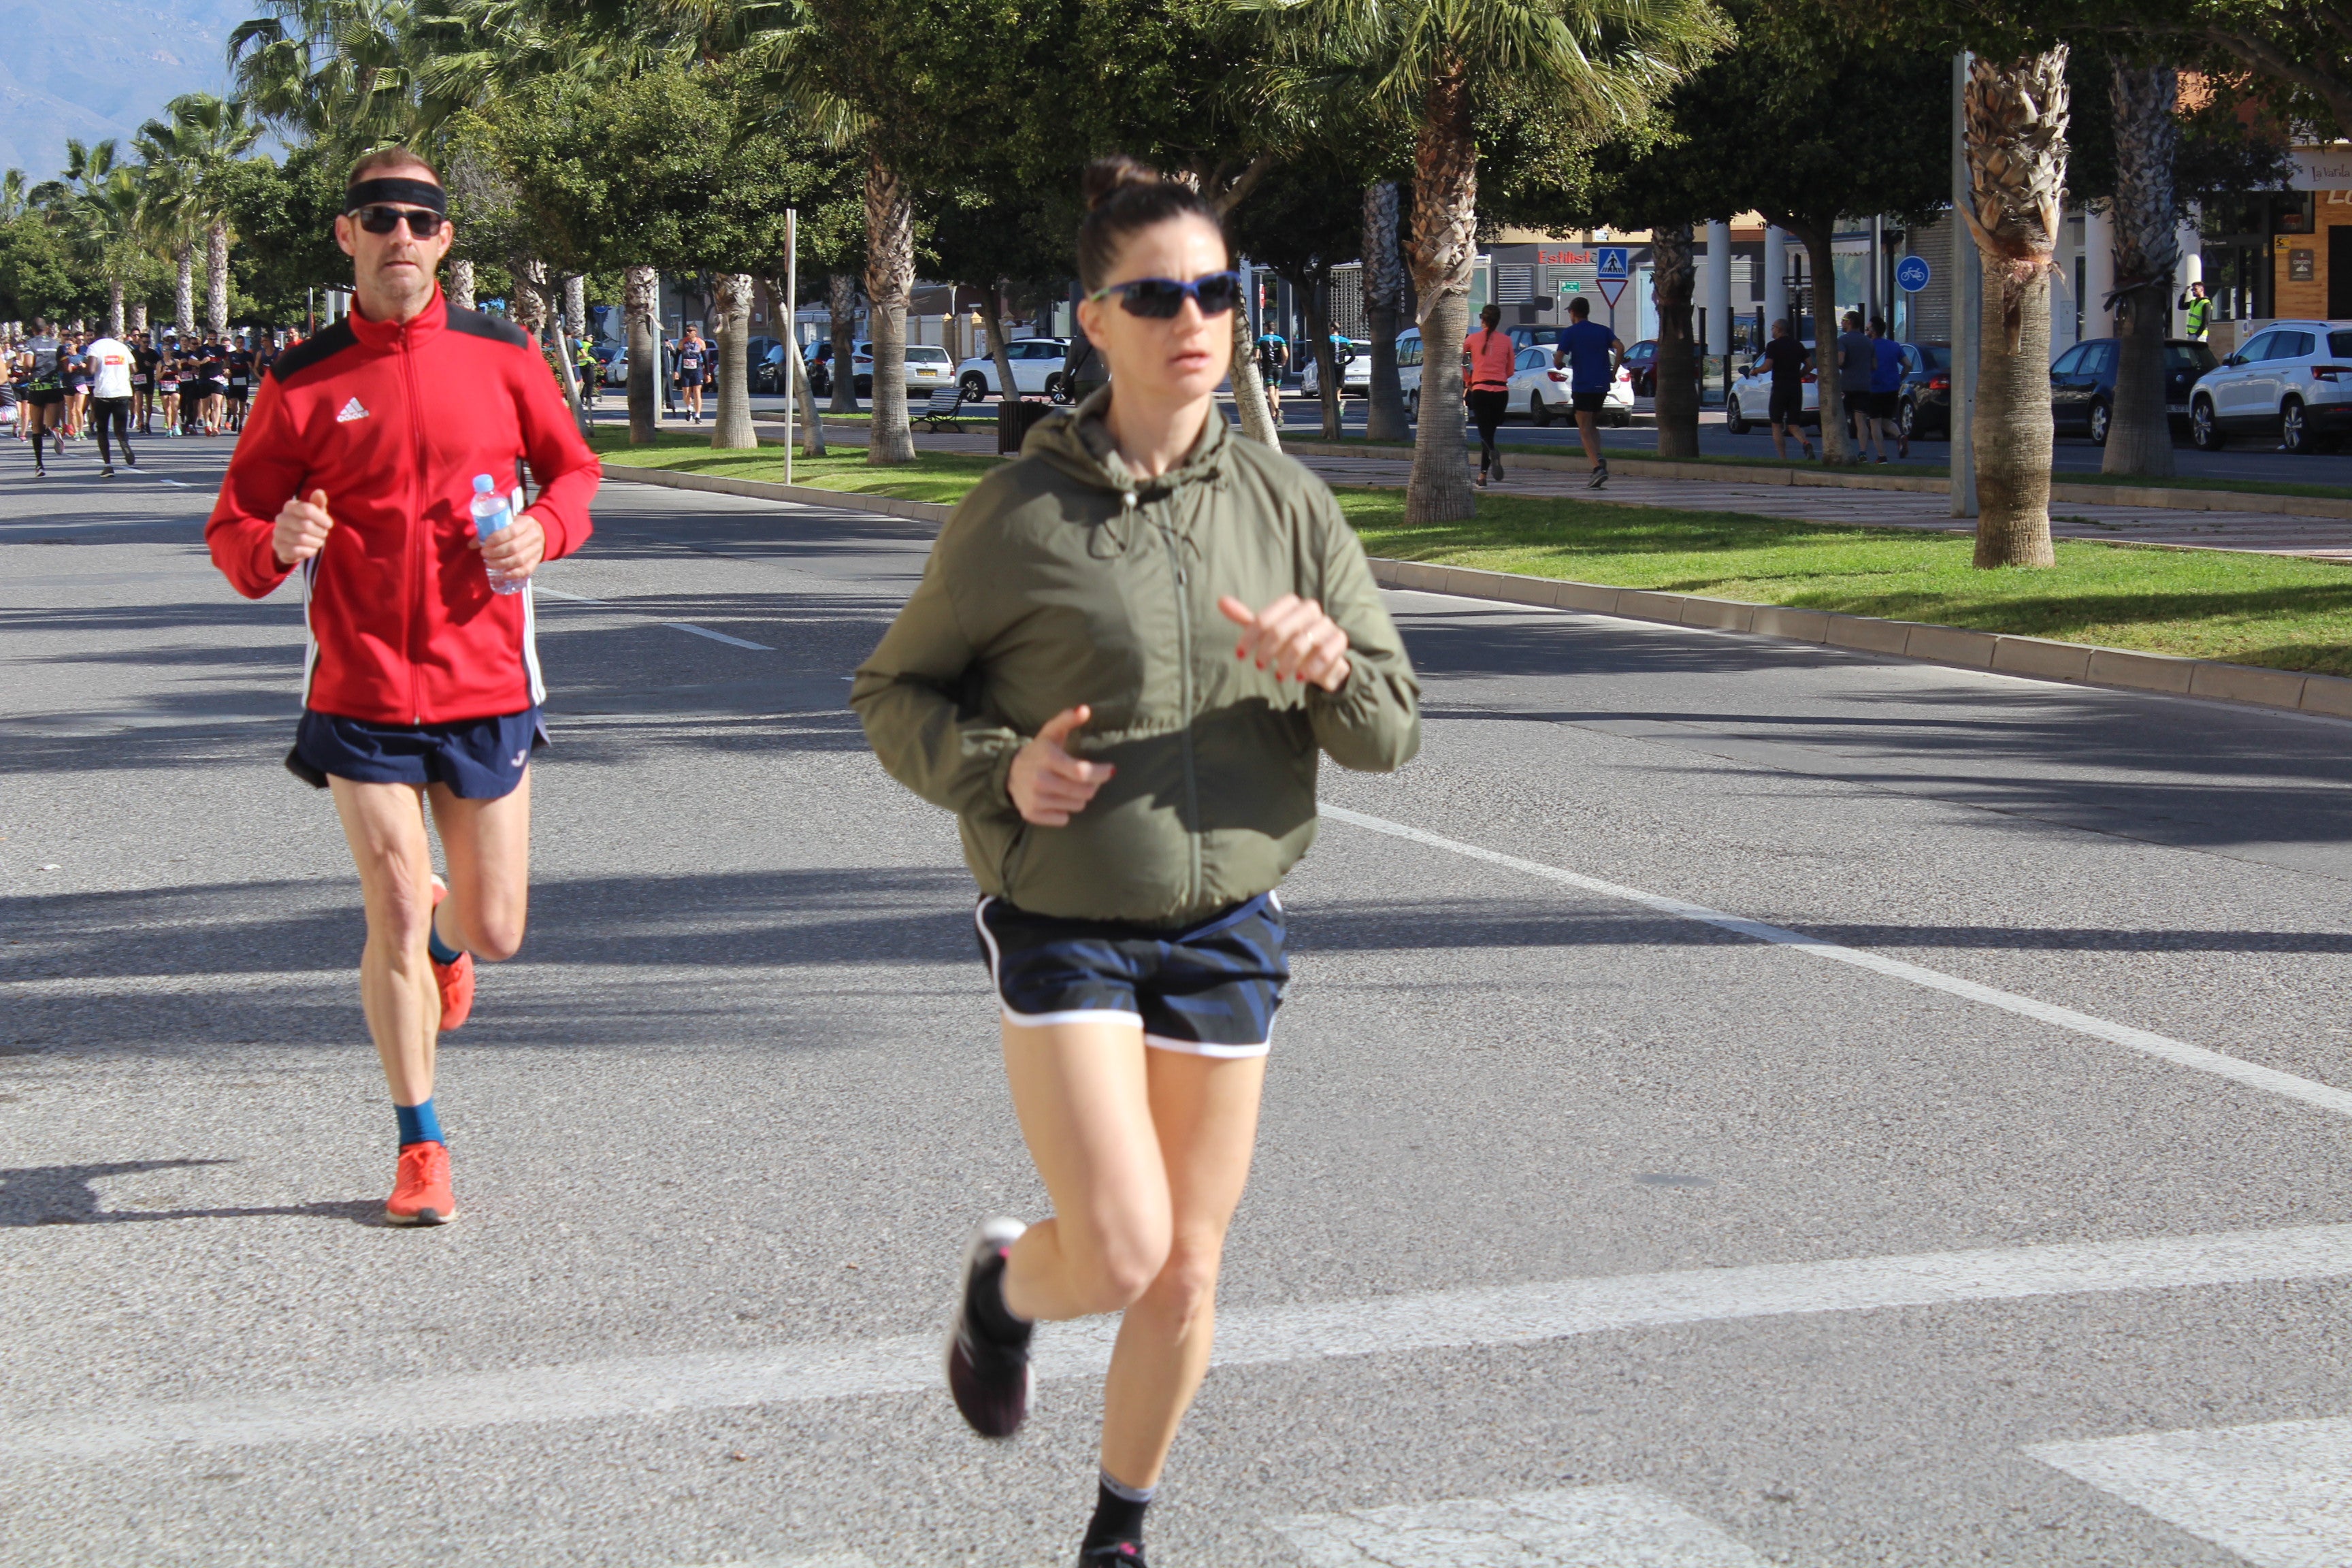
(2293, 380)
(1036, 368)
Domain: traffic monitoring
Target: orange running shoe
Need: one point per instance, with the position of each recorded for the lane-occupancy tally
(421, 1194)
(456, 980)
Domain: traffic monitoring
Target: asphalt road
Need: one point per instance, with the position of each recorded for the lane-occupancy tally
(1740, 1103)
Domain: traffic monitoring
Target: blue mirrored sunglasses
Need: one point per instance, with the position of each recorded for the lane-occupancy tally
(1161, 297)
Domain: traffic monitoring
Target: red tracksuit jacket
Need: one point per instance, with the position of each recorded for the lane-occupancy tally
(393, 420)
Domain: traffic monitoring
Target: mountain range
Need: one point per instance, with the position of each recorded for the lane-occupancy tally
(95, 68)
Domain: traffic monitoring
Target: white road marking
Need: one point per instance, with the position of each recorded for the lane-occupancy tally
(717, 636)
(2178, 1052)
(2278, 1495)
(1589, 1527)
(560, 593)
(1494, 1315)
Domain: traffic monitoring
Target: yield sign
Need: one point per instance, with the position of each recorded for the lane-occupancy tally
(1609, 289)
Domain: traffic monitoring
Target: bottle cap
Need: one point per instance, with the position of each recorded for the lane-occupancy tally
(483, 484)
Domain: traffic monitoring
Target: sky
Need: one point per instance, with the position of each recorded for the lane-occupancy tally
(95, 68)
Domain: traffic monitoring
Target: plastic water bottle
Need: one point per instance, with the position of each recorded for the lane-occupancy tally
(492, 513)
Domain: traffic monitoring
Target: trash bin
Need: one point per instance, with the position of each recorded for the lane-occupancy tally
(1014, 415)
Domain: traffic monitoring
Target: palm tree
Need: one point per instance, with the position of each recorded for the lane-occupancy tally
(2014, 112)
(337, 71)
(1434, 64)
(2148, 250)
(98, 203)
(202, 143)
(1384, 411)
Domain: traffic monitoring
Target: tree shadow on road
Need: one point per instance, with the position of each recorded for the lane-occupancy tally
(63, 1195)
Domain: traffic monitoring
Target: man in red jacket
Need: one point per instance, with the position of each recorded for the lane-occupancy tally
(358, 466)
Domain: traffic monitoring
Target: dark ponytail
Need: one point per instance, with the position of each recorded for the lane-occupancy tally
(1123, 197)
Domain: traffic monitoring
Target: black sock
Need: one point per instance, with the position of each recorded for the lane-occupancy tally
(989, 1313)
(1118, 1514)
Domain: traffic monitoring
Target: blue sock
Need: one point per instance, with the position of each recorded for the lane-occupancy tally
(441, 950)
(418, 1124)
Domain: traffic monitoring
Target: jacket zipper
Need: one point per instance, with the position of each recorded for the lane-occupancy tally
(1184, 697)
(420, 531)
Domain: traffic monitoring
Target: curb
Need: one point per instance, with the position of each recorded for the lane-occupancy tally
(2039, 658)
(2156, 498)
(769, 490)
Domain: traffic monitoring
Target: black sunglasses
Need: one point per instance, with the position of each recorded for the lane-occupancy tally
(423, 222)
(1158, 298)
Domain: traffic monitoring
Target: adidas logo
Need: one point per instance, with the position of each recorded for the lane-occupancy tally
(351, 411)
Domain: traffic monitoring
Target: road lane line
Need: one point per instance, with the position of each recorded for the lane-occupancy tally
(1578, 1527)
(560, 593)
(717, 636)
(2279, 1495)
(2178, 1052)
(1246, 1336)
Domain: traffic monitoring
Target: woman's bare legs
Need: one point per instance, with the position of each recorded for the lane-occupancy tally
(1144, 1153)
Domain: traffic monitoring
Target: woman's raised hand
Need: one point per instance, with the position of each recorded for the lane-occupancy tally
(1293, 638)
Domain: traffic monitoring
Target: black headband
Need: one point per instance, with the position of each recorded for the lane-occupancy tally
(416, 193)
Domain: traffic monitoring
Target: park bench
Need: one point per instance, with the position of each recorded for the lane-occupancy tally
(939, 412)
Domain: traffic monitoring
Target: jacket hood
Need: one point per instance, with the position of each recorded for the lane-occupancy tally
(1077, 443)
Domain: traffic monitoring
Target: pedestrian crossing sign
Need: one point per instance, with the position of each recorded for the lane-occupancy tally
(1613, 264)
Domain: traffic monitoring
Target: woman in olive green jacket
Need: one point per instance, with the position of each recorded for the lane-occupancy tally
(1130, 793)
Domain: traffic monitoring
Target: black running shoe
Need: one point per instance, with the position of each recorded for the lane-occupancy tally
(1117, 1554)
(988, 1375)
(1600, 475)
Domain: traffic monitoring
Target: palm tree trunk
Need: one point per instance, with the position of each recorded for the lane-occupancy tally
(641, 296)
(1384, 417)
(841, 309)
(1816, 235)
(138, 322)
(114, 318)
(1674, 277)
(530, 274)
(1445, 252)
(731, 429)
(575, 305)
(184, 300)
(2015, 113)
(889, 278)
(460, 287)
(1249, 392)
(1327, 360)
(992, 322)
(216, 278)
(2148, 250)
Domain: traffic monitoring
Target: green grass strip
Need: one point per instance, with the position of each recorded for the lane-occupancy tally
(931, 477)
(2245, 609)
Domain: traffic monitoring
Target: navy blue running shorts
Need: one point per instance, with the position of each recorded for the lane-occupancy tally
(478, 759)
(1210, 989)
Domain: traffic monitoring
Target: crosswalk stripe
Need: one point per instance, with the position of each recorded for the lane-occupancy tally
(2279, 1495)
(2253, 1075)
(1586, 1527)
(1438, 1319)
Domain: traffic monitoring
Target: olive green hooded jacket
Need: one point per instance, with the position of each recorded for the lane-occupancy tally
(1061, 580)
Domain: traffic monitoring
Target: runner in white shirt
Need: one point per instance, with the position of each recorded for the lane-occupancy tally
(110, 400)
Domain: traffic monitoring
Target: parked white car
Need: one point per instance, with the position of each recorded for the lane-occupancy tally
(1036, 370)
(1750, 402)
(1408, 352)
(928, 370)
(1355, 376)
(1540, 389)
(2293, 381)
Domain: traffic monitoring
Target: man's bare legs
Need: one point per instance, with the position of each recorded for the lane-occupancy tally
(488, 847)
(1144, 1153)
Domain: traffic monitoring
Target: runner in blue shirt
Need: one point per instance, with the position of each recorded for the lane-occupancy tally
(1591, 352)
(1886, 386)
